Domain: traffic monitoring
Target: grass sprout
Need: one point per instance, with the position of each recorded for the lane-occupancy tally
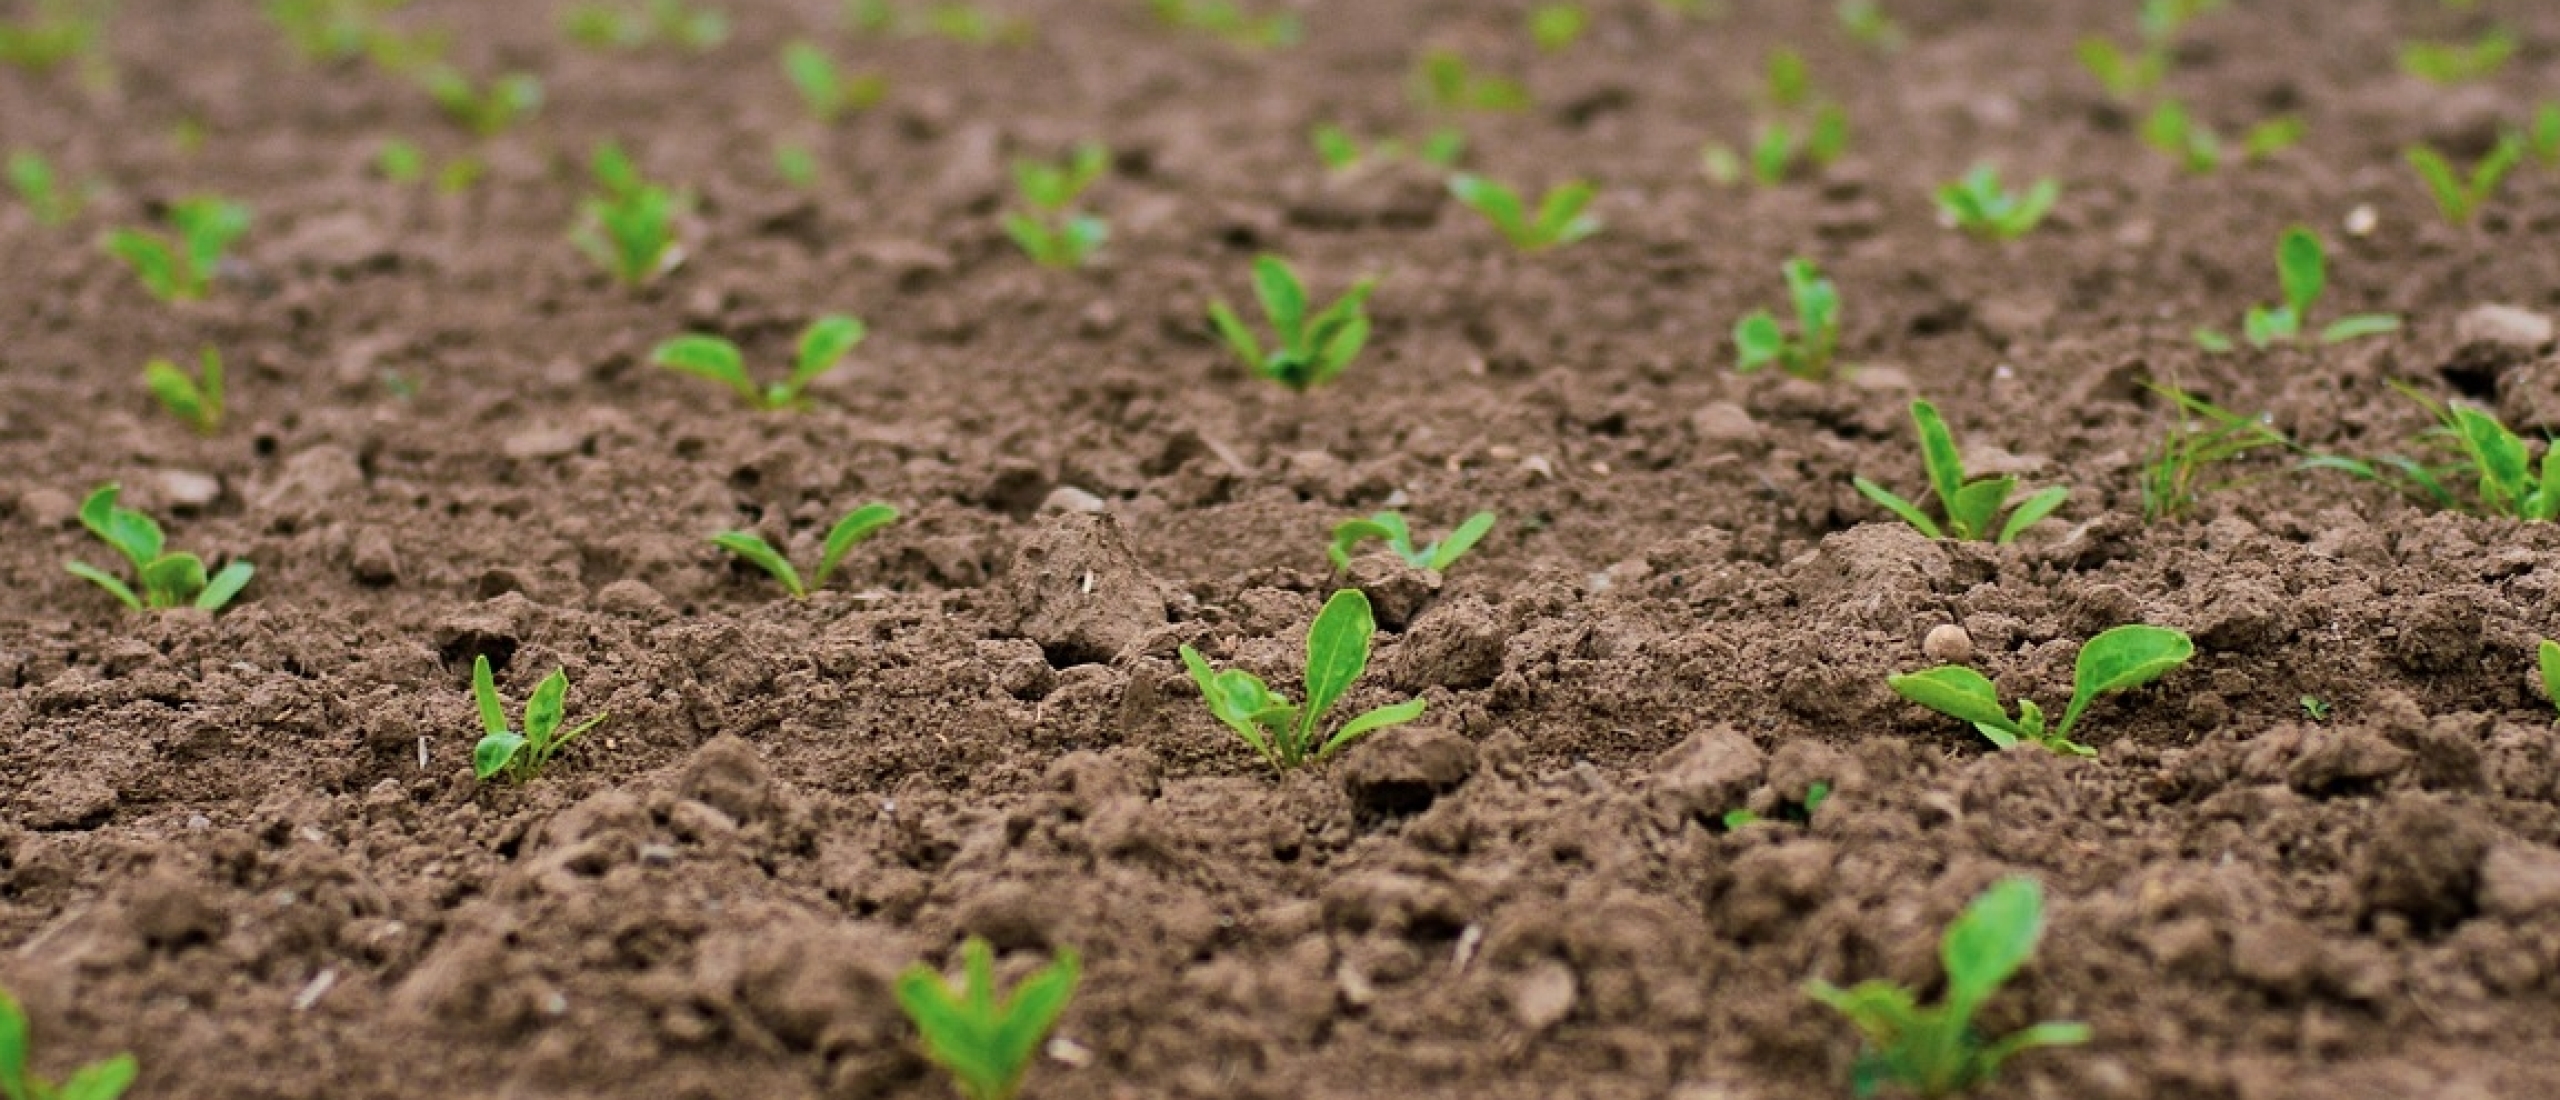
(2202, 438)
(2506, 480)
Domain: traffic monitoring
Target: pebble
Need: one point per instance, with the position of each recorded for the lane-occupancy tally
(1068, 498)
(373, 558)
(187, 489)
(1948, 643)
(2506, 327)
(48, 507)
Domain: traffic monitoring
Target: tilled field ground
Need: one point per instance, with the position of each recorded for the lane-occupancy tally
(248, 847)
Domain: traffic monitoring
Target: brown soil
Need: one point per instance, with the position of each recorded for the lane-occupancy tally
(248, 848)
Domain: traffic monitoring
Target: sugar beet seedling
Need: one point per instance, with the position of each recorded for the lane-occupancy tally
(1313, 350)
(2449, 63)
(196, 399)
(1981, 205)
(1391, 526)
(167, 580)
(1289, 735)
(1761, 342)
(629, 227)
(486, 111)
(823, 346)
(849, 531)
(1049, 231)
(2302, 266)
(1444, 83)
(1341, 152)
(984, 1041)
(520, 757)
(2460, 197)
(1563, 216)
(2118, 659)
(2197, 148)
(103, 1080)
(51, 199)
(180, 268)
(2547, 661)
(828, 90)
(2506, 480)
(1971, 506)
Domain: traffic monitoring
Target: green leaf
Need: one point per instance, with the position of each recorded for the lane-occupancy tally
(1233, 698)
(1961, 693)
(132, 534)
(1284, 300)
(102, 579)
(225, 586)
(1939, 458)
(172, 580)
(2215, 343)
(1447, 552)
(1337, 652)
(14, 1046)
(856, 526)
(2267, 326)
(822, 346)
(1988, 944)
(2550, 665)
(493, 754)
(545, 708)
(1909, 512)
(1240, 339)
(1561, 214)
(2032, 511)
(2303, 268)
(1970, 514)
(2120, 659)
(1370, 721)
(985, 1043)
(709, 357)
(1759, 341)
(2051, 1034)
(749, 545)
(1350, 533)
(484, 694)
(2358, 327)
(1498, 203)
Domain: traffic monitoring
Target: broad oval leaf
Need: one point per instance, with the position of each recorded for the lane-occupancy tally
(708, 357)
(1337, 651)
(856, 526)
(2119, 659)
(494, 752)
(2303, 267)
(826, 342)
(225, 586)
(544, 709)
(1758, 341)
(1957, 692)
(1994, 937)
(173, 580)
(752, 547)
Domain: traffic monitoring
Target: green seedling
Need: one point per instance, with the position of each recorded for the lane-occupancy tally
(1312, 350)
(830, 91)
(1341, 152)
(1971, 507)
(1934, 1052)
(1979, 204)
(1782, 149)
(1230, 21)
(330, 31)
(1815, 794)
(629, 226)
(402, 162)
(52, 32)
(1437, 557)
(2543, 139)
(2302, 267)
(485, 110)
(848, 532)
(1288, 735)
(2128, 75)
(48, 197)
(2506, 479)
(1050, 232)
(520, 757)
(1563, 216)
(2459, 62)
(2315, 708)
(2547, 662)
(986, 1042)
(2202, 437)
(1786, 80)
(620, 26)
(197, 400)
(2461, 197)
(2198, 149)
(1556, 27)
(1869, 25)
(105, 1080)
(2119, 659)
(167, 580)
(956, 22)
(796, 165)
(179, 266)
(1444, 82)
(1762, 342)
(823, 346)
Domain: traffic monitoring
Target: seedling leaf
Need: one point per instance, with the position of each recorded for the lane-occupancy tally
(2120, 659)
(856, 526)
(984, 1041)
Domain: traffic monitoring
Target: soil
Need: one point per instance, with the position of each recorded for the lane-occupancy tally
(247, 847)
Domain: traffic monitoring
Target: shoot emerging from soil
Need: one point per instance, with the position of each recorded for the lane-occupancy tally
(2119, 659)
(1288, 735)
(848, 532)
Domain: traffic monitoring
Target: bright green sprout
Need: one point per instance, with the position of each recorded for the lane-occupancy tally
(2196, 148)
(2459, 62)
(1972, 507)
(1556, 27)
(2302, 266)
(629, 228)
(953, 21)
(2548, 663)
(1230, 21)
(2131, 74)
(987, 1043)
(330, 31)
(848, 532)
(2460, 198)
(1933, 1052)
(827, 89)
(2203, 436)
(51, 32)
(486, 111)
(1815, 794)
(1787, 81)
(1782, 149)
(51, 200)
(1444, 82)
(2543, 140)
(1980, 205)
(413, 54)
(180, 267)
(1563, 216)
(2506, 480)
(1437, 557)
(1050, 232)
(520, 757)
(1761, 342)
(1288, 735)
(104, 1080)
(622, 26)
(197, 400)
(2119, 659)
(2315, 708)
(823, 346)
(1869, 25)
(1341, 152)
(168, 580)
(1313, 350)
(400, 161)
(796, 165)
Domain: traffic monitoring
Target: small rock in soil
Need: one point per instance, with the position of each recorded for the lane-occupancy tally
(1541, 996)
(311, 484)
(2423, 862)
(727, 775)
(2332, 760)
(374, 559)
(48, 508)
(2520, 882)
(1710, 773)
(1455, 644)
(1947, 643)
(491, 628)
(187, 490)
(1724, 427)
(2507, 328)
(170, 910)
(1077, 590)
(1397, 591)
(1402, 769)
(631, 599)
(1068, 498)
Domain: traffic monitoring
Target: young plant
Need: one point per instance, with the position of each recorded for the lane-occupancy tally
(1868, 24)
(47, 196)
(520, 757)
(2302, 267)
(196, 400)
(2548, 663)
(2119, 659)
(957, 22)
(1783, 149)
(1230, 21)
(796, 165)
(2506, 479)
(629, 227)
(1563, 216)
(1972, 507)
(608, 26)
(823, 346)
(1312, 349)
(106, 1080)
(51, 32)
(829, 90)
(485, 110)
(1341, 152)
(2315, 708)
(1288, 735)
(1444, 82)
(2203, 436)
(1980, 205)
(1437, 557)
(986, 1042)
(2543, 139)
(856, 526)
(330, 31)
(1050, 232)
(1934, 1052)
(2459, 62)
(1815, 794)
(1762, 342)
(1556, 27)
(167, 580)
(2196, 148)
(2128, 75)
(2460, 197)
(179, 266)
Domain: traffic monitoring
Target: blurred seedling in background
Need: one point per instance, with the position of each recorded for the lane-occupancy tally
(1288, 735)
(2460, 62)
(956, 22)
(103, 1080)
(2131, 74)
(1049, 230)
(1933, 1052)
(195, 400)
(2542, 139)
(1815, 794)
(823, 346)
(2197, 148)
(629, 226)
(623, 25)
(2505, 478)
(1761, 342)
(179, 266)
(2202, 437)
(1981, 205)
(987, 1042)
(1562, 218)
(830, 91)
(1972, 507)
(796, 165)
(1782, 149)
(2315, 708)
(2547, 661)
(331, 31)
(2119, 659)
(1437, 556)
(52, 200)
(166, 580)
(847, 533)
(1312, 349)
(1230, 21)
(1556, 27)
(1869, 25)
(403, 162)
(1444, 82)
(47, 34)
(1341, 152)
(2302, 267)
(486, 110)
(2460, 197)
(516, 756)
